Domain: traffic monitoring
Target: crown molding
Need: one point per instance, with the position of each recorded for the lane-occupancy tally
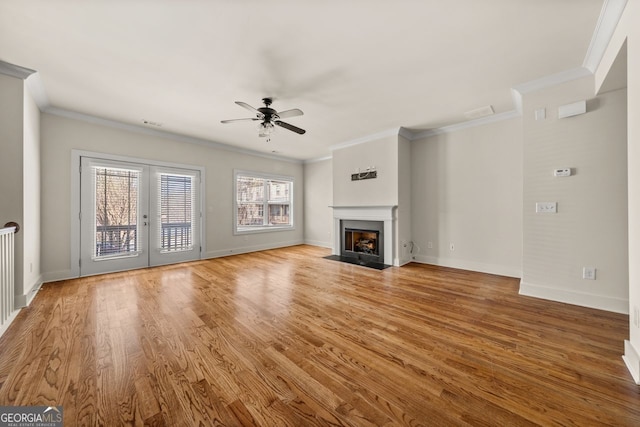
(552, 80)
(610, 15)
(405, 133)
(36, 89)
(507, 115)
(162, 134)
(607, 22)
(16, 71)
(317, 160)
(517, 100)
(389, 132)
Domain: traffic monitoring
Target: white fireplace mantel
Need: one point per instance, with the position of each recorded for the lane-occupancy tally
(386, 214)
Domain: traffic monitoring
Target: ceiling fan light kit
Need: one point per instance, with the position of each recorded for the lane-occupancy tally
(269, 118)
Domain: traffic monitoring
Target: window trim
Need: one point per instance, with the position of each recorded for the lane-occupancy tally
(264, 228)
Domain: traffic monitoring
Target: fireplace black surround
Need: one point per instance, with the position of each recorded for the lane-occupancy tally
(362, 240)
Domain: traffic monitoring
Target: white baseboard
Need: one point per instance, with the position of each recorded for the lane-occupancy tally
(480, 267)
(55, 276)
(248, 249)
(600, 302)
(402, 262)
(632, 360)
(21, 301)
(318, 243)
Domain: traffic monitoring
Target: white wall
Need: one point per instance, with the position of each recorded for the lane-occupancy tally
(31, 198)
(467, 190)
(628, 30)
(391, 157)
(20, 180)
(382, 191)
(61, 134)
(590, 227)
(318, 196)
(11, 165)
(403, 230)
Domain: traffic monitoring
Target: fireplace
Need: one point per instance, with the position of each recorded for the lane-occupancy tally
(380, 219)
(363, 240)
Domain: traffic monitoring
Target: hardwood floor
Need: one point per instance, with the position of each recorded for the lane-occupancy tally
(285, 337)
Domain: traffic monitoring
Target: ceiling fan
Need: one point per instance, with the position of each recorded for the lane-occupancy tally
(269, 117)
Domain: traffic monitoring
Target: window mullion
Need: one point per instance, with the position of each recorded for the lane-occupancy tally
(267, 196)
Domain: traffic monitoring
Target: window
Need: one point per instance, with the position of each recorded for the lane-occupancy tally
(116, 211)
(263, 202)
(177, 215)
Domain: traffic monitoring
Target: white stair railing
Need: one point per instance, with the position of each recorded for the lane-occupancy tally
(7, 277)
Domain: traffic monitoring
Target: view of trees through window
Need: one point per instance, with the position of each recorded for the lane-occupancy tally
(117, 193)
(262, 202)
(116, 211)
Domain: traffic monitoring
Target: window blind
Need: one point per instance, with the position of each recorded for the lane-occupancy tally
(176, 213)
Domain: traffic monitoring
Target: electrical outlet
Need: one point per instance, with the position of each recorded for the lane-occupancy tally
(452, 247)
(589, 273)
(430, 245)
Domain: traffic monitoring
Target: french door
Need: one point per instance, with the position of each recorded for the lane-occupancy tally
(135, 215)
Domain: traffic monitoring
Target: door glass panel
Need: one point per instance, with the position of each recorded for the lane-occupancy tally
(177, 214)
(116, 212)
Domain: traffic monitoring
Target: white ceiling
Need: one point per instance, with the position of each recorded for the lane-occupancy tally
(356, 67)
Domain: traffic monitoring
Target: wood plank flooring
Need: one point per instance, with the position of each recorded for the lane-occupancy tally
(287, 338)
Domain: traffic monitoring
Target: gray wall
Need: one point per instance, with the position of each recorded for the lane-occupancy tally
(467, 191)
(626, 41)
(590, 227)
(61, 134)
(318, 197)
(20, 180)
(379, 153)
(404, 225)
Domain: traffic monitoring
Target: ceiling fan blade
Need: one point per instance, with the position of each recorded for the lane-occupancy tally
(239, 120)
(290, 127)
(250, 108)
(290, 113)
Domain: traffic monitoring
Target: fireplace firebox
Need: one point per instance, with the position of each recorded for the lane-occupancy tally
(363, 240)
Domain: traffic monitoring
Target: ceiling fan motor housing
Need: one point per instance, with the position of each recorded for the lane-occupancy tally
(269, 113)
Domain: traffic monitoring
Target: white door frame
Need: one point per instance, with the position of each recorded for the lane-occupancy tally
(76, 155)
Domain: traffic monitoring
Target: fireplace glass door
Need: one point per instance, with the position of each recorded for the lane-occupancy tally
(361, 241)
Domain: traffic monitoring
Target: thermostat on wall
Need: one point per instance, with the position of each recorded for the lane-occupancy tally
(562, 172)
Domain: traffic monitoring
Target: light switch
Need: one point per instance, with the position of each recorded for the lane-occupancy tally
(546, 207)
